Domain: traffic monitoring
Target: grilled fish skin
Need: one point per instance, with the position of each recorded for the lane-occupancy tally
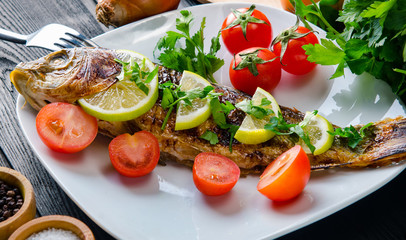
(385, 142)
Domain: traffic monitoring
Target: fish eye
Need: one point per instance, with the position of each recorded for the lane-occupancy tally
(58, 58)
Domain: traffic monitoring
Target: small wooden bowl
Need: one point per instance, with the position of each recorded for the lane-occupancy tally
(53, 221)
(27, 210)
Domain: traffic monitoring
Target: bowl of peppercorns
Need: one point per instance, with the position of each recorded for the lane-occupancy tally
(17, 201)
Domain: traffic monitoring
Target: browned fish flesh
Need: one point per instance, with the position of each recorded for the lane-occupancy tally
(91, 70)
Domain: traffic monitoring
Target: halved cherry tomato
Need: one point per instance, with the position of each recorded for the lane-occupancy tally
(294, 60)
(214, 174)
(134, 155)
(65, 127)
(287, 176)
(257, 34)
(269, 73)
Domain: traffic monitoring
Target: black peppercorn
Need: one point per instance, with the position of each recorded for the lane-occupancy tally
(11, 200)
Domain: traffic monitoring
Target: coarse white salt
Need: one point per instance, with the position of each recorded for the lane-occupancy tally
(53, 234)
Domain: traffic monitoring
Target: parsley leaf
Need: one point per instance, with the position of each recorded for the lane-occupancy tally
(191, 56)
(354, 137)
(373, 39)
(278, 125)
(257, 111)
(137, 73)
(210, 136)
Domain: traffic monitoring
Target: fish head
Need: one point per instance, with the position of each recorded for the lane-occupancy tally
(66, 75)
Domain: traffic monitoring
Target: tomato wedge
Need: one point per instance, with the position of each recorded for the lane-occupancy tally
(65, 127)
(134, 155)
(287, 176)
(214, 174)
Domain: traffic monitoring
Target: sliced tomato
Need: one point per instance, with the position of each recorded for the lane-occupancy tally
(134, 155)
(214, 174)
(65, 127)
(268, 73)
(287, 176)
(255, 25)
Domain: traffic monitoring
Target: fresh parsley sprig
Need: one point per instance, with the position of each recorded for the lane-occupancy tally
(257, 111)
(373, 40)
(219, 113)
(354, 137)
(136, 73)
(278, 125)
(191, 55)
(172, 95)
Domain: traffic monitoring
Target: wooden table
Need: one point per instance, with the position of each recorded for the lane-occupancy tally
(381, 215)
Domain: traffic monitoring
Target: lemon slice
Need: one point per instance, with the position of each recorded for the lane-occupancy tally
(252, 129)
(317, 129)
(192, 116)
(124, 100)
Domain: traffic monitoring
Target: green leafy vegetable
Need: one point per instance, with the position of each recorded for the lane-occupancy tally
(373, 40)
(191, 56)
(210, 136)
(354, 136)
(257, 111)
(278, 125)
(136, 73)
(172, 95)
(219, 112)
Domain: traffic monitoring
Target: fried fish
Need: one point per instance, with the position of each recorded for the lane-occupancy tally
(70, 74)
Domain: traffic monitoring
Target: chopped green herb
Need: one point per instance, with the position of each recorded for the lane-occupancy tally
(136, 73)
(278, 125)
(219, 117)
(354, 136)
(210, 136)
(257, 111)
(172, 95)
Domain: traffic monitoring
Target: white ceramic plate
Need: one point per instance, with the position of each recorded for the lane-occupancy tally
(166, 204)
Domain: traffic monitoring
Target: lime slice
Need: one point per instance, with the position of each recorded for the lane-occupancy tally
(252, 129)
(124, 100)
(192, 116)
(317, 129)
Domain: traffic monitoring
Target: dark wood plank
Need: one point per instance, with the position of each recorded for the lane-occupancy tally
(381, 215)
(25, 16)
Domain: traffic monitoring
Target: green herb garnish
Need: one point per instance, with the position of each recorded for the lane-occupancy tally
(136, 73)
(278, 125)
(373, 40)
(172, 95)
(354, 136)
(210, 136)
(257, 111)
(191, 57)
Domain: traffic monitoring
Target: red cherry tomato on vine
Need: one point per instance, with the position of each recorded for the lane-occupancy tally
(287, 176)
(214, 174)
(269, 73)
(65, 127)
(256, 34)
(294, 60)
(134, 155)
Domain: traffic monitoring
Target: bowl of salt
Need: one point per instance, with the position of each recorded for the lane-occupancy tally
(53, 227)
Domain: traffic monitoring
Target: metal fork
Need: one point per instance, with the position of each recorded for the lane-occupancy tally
(52, 37)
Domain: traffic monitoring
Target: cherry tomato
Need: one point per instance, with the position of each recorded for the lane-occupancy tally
(65, 127)
(134, 155)
(269, 73)
(287, 176)
(214, 174)
(257, 34)
(289, 7)
(294, 60)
